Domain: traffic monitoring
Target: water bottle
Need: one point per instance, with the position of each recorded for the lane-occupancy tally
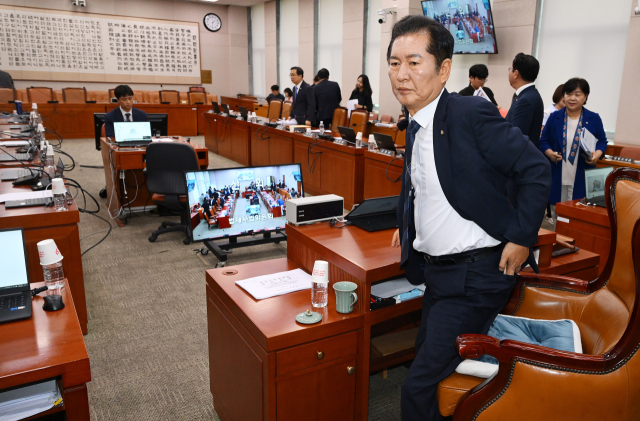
(320, 284)
(321, 127)
(49, 167)
(59, 194)
(35, 116)
(372, 145)
(53, 277)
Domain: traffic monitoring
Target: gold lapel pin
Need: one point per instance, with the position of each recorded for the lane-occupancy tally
(442, 132)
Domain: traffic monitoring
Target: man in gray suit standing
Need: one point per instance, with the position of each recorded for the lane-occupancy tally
(6, 81)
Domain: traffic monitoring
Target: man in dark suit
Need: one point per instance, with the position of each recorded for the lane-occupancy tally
(6, 81)
(459, 235)
(275, 94)
(206, 207)
(327, 96)
(215, 196)
(125, 112)
(303, 109)
(478, 74)
(527, 108)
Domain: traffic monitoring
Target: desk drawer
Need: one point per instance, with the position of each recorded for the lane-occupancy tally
(316, 353)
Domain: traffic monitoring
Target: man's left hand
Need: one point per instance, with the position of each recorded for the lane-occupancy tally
(513, 256)
(307, 123)
(594, 157)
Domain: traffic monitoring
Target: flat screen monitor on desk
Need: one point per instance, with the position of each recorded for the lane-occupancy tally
(239, 216)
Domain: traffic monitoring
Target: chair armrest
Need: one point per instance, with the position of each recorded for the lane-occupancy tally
(543, 280)
(473, 346)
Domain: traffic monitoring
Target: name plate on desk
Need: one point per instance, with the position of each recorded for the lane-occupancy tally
(309, 134)
(280, 127)
(387, 152)
(340, 142)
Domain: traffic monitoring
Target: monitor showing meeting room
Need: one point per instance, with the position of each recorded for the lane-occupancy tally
(241, 201)
(469, 21)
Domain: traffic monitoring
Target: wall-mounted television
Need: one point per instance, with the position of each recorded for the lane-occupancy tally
(251, 205)
(469, 21)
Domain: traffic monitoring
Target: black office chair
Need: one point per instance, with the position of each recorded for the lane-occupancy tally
(166, 163)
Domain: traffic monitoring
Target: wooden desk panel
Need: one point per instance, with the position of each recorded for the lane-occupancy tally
(270, 146)
(378, 170)
(40, 223)
(214, 131)
(237, 145)
(234, 103)
(202, 122)
(182, 118)
(616, 164)
(46, 346)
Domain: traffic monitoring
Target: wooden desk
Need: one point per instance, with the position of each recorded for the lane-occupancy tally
(397, 135)
(382, 175)
(264, 365)
(270, 146)
(234, 103)
(589, 226)
(132, 161)
(183, 118)
(40, 223)
(202, 123)
(616, 164)
(49, 345)
(229, 137)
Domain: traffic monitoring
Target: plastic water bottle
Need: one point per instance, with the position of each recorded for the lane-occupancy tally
(319, 294)
(35, 116)
(53, 276)
(59, 194)
(49, 167)
(372, 145)
(321, 127)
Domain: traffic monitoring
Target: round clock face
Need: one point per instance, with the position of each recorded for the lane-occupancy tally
(212, 22)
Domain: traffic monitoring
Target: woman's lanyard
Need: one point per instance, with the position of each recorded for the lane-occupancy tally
(576, 139)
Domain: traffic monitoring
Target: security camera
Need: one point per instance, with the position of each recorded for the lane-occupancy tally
(383, 14)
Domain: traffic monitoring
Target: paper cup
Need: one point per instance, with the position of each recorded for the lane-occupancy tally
(359, 136)
(57, 187)
(320, 272)
(372, 138)
(48, 252)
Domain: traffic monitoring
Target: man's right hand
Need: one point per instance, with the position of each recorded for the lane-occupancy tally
(395, 241)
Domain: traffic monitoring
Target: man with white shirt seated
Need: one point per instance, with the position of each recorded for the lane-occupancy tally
(125, 112)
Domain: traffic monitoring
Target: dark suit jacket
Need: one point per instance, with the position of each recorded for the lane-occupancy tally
(476, 152)
(527, 113)
(6, 81)
(327, 97)
(469, 91)
(115, 116)
(272, 96)
(206, 207)
(304, 108)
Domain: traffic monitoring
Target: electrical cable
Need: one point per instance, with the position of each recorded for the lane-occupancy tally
(386, 171)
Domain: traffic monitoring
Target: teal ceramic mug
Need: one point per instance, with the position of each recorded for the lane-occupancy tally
(345, 296)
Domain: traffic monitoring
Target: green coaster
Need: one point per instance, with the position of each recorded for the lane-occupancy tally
(308, 317)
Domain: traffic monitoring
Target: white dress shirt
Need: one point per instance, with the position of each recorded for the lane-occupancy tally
(130, 112)
(440, 230)
(523, 87)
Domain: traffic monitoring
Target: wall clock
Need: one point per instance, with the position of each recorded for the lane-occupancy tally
(212, 22)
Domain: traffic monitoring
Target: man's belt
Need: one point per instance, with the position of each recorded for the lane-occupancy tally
(458, 258)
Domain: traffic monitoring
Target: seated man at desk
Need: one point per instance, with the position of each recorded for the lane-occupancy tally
(125, 112)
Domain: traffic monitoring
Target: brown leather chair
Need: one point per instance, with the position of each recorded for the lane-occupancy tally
(172, 97)
(39, 95)
(539, 383)
(385, 118)
(154, 97)
(100, 97)
(358, 122)
(21, 95)
(57, 96)
(211, 98)
(138, 96)
(197, 97)
(184, 97)
(339, 117)
(7, 94)
(373, 116)
(197, 89)
(112, 94)
(286, 109)
(630, 152)
(275, 108)
(74, 95)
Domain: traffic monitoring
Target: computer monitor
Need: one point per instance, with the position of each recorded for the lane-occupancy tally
(225, 108)
(159, 123)
(595, 180)
(243, 112)
(239, 216)
(131, 131)
(13, 259)
(216, 107)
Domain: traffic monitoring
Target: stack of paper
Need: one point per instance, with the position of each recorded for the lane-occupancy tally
(25, 195)
(267, 286)
(14, 143)
(26, 401)
(384, 124)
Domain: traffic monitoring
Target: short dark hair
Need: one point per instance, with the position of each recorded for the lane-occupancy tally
(528, 67)
(323, 74)
(557, 94)
(440, 39)
(275, 88)
(288, 91)
(298, 70)
(575, 83)
(479, 71)
(122, 90)
(316, 79)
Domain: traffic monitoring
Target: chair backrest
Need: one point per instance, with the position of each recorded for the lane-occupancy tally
(275, 108)
(358, 122)
(197, 97)
(57, 95)
(386, 118)
(172, 97)
(21, 94)
(286, 109)
(74, 95)
(7, 94)
(139, 96)
(184, 97)
(112, 94)
(166, 163)
(373, 116)
(154, 97)
(630, 152)
(339, 117)
(249, 97)
(102, 131)
(40, 95)
(197, 89)
(100, 96)
(211, 98)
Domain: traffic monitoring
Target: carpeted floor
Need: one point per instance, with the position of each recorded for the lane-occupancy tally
(147, 338)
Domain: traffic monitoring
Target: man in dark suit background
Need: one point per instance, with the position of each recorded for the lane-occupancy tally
(6, 81)
(303, 108)
(527, 108)
(459, 235)
(125, 112)
(328, 97)
(275, 94)
(478, 74)
(206, 207)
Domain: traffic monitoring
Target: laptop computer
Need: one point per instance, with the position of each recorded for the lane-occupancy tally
(216, 107)
(243, 112)
(134, 133)
(347, 133)
(15, 294)
(15, 173)
(375, 214)
(225, 109)
(595, 179)
(384, 141)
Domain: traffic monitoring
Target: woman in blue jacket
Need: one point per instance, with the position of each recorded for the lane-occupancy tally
(560, 142)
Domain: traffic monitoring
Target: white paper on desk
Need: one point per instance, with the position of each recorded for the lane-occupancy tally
(26, 401)
(384, 124)
(14, 143)
(480, 92)
(162, 139)
(351, 105)
(280, 283)
(392, 288)
(25, 195)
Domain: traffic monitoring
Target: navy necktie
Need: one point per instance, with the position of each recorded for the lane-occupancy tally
(128, 117)
(408, 191)
(295, 93)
